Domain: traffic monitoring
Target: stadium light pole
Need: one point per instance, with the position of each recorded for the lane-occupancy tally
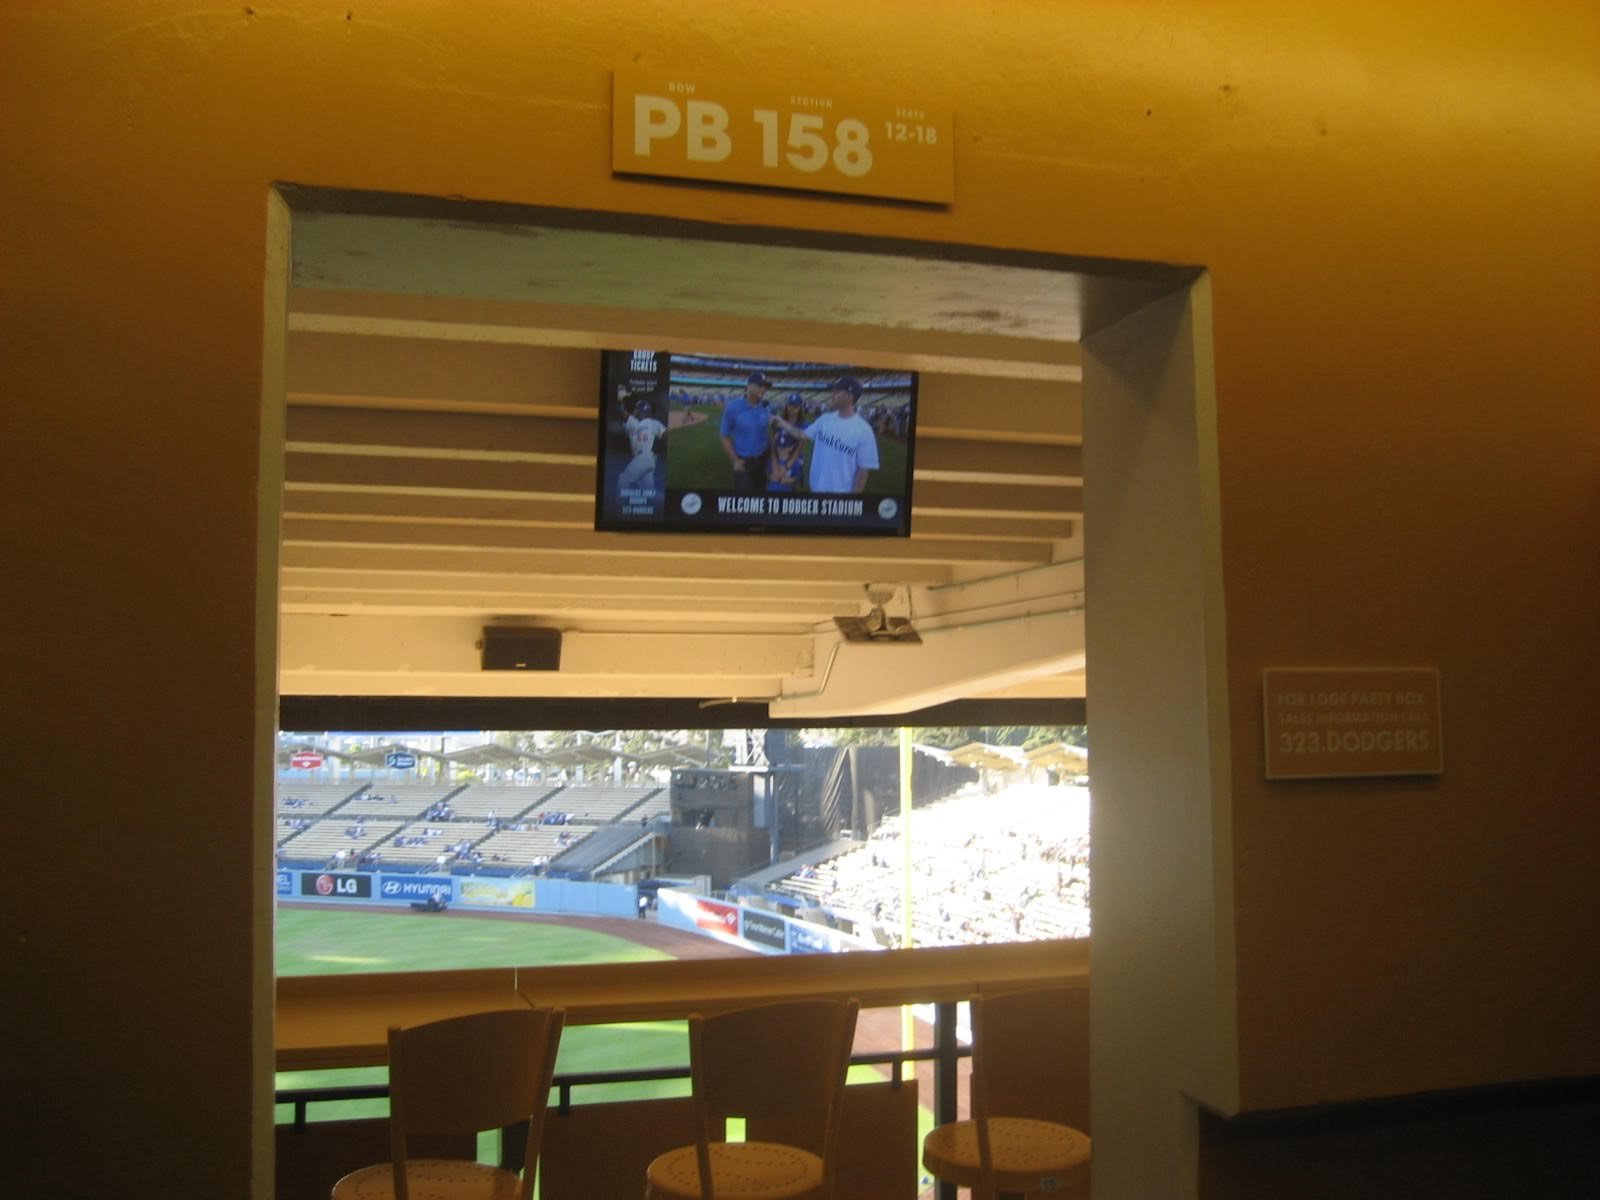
(908, 1027)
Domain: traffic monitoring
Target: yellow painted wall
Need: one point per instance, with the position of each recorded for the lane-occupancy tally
(1397, 205)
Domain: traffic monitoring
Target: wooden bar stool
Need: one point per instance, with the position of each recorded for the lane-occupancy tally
(782, 1068)
(463, 1075)
(1030, 1099)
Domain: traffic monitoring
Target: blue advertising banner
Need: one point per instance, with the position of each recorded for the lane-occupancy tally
(285, 883)
(400, 760)
(413, 887)
(811, 939)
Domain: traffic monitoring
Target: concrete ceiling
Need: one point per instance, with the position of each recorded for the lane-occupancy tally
(443, 392)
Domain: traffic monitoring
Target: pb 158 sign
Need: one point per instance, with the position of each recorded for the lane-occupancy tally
(686, 126)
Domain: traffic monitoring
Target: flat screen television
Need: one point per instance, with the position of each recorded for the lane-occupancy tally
(706, 443)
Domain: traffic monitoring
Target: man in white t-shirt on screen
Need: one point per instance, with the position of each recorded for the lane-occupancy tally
(843, 447)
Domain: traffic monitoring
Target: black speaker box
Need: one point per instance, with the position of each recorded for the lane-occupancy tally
(518, 648)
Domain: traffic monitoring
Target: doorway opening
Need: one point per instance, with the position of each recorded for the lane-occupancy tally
(441, 376)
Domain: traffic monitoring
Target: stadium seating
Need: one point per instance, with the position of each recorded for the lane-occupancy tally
(495, 829)
(596, 805)
(396, 800)
(1005, 867)
(433, 843)
(313, 799)
(658, 804)
(483, 800)
(334, 842)
(528, 847)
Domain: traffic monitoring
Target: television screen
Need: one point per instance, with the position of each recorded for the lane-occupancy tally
(709, 444)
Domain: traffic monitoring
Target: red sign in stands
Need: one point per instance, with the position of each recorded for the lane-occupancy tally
(718, 918)
(305, 760)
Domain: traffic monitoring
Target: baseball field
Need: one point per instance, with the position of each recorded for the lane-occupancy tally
(317, 940)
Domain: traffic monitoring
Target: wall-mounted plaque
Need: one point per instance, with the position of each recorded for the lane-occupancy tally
(1334, 723)
(687, 126)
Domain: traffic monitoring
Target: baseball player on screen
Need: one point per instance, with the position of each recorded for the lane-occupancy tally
(643, 429)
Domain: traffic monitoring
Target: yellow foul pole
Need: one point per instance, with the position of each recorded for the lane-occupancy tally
(908, 1028)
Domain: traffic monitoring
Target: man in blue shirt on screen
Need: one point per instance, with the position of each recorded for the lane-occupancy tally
(745, 422)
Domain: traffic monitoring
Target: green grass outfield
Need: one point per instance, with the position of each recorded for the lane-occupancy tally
(330, 941)
(316, 941)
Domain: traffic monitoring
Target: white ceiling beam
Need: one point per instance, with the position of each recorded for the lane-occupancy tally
(642, 551)
(643, 615)
(410, 651)
(575, 588)
(473, 322)
(648, 571)
(575, 483)
(958, 454)
(1050, 588)
(311, 500)
(883, 679)
(421, 374)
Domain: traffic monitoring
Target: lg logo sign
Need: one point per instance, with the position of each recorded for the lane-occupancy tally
(328, 884)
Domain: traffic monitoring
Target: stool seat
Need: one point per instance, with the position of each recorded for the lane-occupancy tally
(1029, 1155)
(741, 1171)
(431, 1179)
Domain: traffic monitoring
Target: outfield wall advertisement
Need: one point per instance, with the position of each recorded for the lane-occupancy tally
(752, 928)
(463, 891)
(475, 892)
(414, 887)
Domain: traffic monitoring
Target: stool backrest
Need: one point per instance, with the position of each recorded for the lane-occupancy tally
(781, 1066)
(1030, 1055)
(467, 1074)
